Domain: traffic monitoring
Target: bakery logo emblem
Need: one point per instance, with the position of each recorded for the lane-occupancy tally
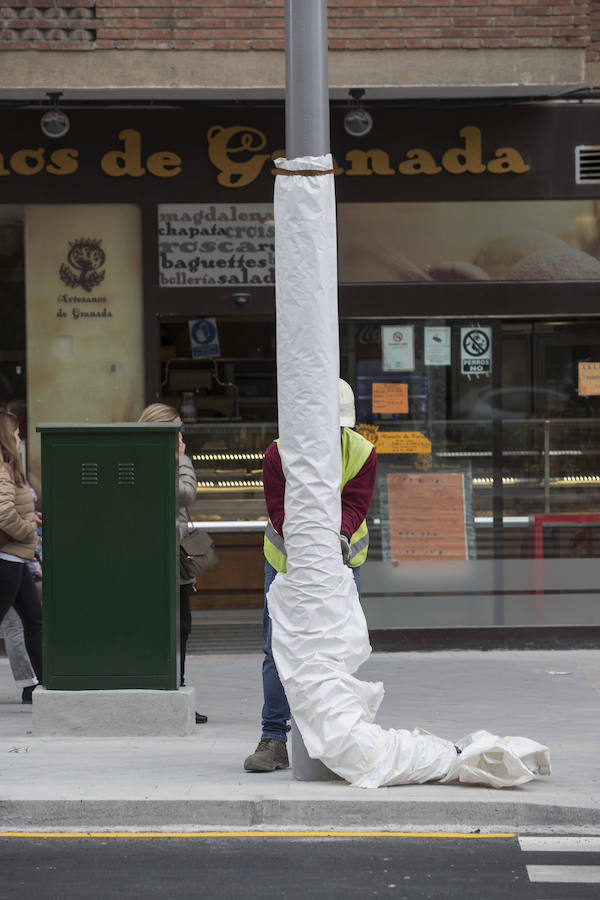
(84, 264)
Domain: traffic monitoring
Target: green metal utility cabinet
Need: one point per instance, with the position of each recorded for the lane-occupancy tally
(109, 495)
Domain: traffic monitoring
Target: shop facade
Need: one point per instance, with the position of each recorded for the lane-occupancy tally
(137, 263)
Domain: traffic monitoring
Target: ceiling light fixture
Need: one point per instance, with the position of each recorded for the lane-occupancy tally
(357, 121)
(54, 123)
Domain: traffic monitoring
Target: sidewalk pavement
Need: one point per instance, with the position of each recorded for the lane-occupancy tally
(198, 781)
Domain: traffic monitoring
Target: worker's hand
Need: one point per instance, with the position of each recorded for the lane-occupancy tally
(345, 548)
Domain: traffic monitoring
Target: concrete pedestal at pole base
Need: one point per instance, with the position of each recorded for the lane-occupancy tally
(305, 768)
(119, 713)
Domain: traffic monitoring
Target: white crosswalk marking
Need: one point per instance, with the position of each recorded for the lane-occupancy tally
(561, 844)
(565, 874)
(562, 874)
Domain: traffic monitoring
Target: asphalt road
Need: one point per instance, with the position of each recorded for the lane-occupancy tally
(294, 868)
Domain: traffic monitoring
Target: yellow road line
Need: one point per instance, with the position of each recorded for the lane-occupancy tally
(209, 834)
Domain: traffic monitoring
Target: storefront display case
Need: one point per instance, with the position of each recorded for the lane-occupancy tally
(230, 506)
(550, 477)
(227, 458)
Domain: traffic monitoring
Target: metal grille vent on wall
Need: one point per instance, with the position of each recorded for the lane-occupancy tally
(587, 164)
(126, 473)
(89, 473)
(49, 21)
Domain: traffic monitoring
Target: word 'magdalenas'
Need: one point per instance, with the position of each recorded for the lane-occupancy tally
(216, 244)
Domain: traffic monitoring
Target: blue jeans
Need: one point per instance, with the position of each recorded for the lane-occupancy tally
(276, 711)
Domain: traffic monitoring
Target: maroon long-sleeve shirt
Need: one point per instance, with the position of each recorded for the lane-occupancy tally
(356, 496)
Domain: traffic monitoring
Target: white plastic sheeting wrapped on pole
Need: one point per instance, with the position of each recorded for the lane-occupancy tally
(320, 634)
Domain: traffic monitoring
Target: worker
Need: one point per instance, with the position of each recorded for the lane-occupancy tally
(359, 472)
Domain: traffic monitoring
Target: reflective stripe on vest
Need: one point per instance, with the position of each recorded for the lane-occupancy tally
(274, 547)
(358, 544)
(355, 452)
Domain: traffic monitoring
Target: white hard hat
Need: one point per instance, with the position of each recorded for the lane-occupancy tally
(346, 400)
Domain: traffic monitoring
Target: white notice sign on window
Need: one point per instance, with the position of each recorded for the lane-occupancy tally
(437, 346)
(398, 348)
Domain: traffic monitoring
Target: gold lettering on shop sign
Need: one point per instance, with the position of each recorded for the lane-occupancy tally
(235, 152)
(419, 162)
(367, 162)
(507, 160)
(63, 162)
(164, 164)
(30, 162)
(27, 162)
(466, 158)
(337, 170)
(225, 154)
(238, 153)
(128, 161)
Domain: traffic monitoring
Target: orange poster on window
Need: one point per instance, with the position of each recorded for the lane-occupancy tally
(427, 516)
(390, 398)
(589, 379)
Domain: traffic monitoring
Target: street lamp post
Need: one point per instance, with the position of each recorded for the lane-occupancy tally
(306, 79)
(306, 134)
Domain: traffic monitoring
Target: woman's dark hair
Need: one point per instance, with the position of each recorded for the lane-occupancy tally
(9, 452)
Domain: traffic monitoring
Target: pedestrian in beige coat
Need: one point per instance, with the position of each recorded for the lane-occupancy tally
(18, 542)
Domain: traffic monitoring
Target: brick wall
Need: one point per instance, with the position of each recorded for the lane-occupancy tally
(593, 52)
(259, 25)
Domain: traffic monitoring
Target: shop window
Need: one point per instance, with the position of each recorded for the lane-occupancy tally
(236, 382)
(487, 506)
(13, 385)
(533, 240)
(550, 439)
(228, 403)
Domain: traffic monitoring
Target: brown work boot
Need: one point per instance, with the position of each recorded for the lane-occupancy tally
(268, 756)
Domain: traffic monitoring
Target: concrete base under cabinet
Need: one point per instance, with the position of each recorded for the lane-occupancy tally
(116, 714)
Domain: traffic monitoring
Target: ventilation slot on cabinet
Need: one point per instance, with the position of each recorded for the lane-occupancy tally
(89, 474)
(126, 473)
(587, 164)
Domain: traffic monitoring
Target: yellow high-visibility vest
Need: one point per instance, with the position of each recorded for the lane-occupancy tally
(355, 451)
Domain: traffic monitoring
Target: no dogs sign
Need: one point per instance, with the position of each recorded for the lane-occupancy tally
(476, 351)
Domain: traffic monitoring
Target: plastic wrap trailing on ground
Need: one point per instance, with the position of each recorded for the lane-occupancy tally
(320, 634)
